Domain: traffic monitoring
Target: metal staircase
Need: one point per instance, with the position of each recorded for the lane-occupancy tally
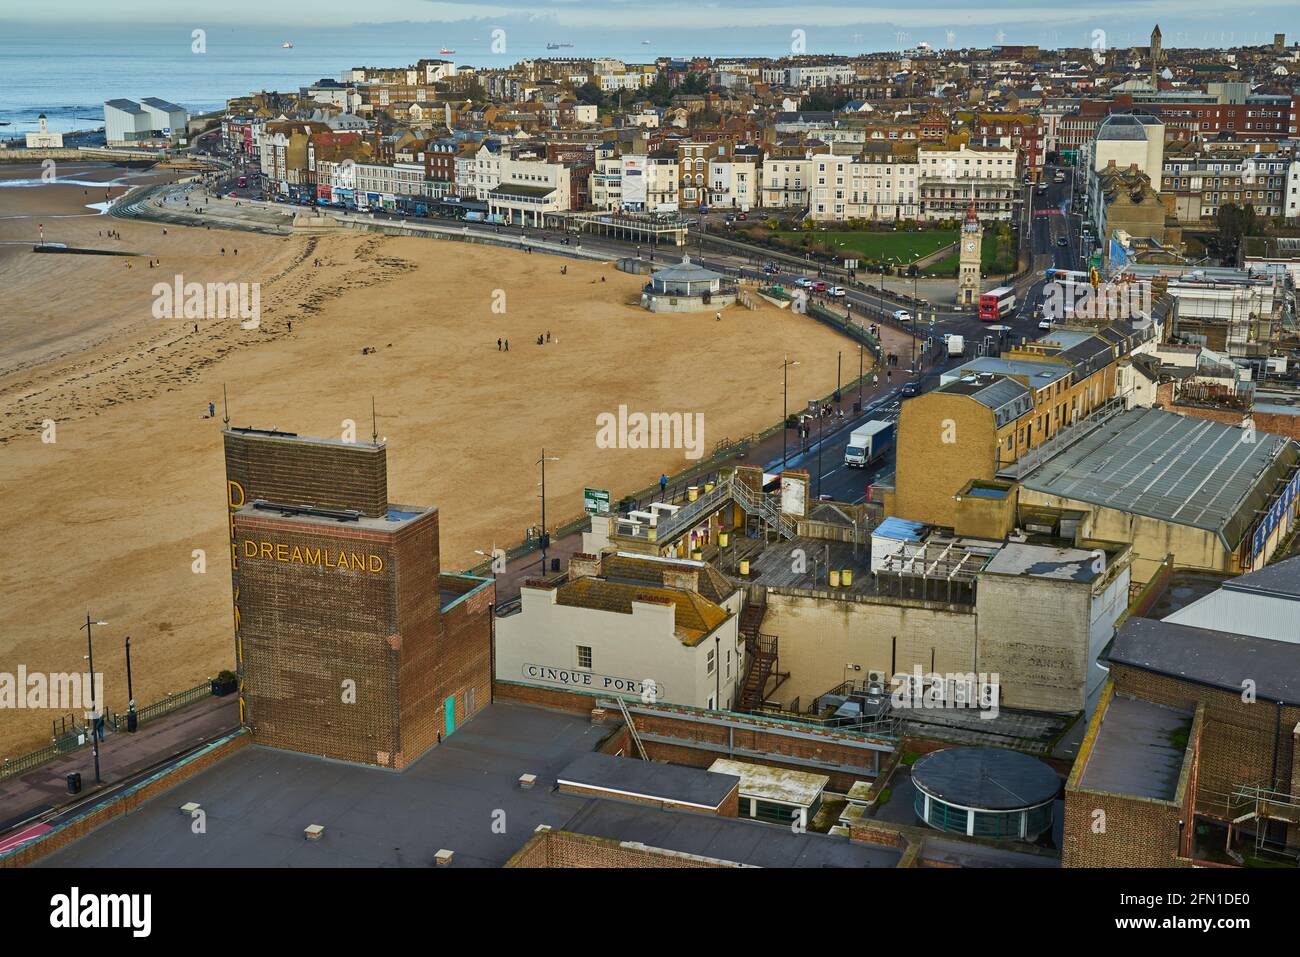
(765, 507)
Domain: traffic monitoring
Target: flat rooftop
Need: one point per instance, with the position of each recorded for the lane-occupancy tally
(662, 782)
(1207, 656)
(1043, 561)
(396, 516)
(258, 801)
(1138, 750)
(782, 785)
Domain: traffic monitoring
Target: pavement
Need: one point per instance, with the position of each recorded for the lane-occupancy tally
(40, 796)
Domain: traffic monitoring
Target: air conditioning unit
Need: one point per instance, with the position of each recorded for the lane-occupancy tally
(877, 678)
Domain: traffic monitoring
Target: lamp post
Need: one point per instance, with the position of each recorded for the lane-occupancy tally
(545, 536)
(785, 408)
(130, 697)
(94, 711)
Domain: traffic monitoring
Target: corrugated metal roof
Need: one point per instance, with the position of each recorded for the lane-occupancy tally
(1175, 468)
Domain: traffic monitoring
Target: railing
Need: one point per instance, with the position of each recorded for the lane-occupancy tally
(79, 737)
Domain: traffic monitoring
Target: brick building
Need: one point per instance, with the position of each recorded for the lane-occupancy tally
(350, 643)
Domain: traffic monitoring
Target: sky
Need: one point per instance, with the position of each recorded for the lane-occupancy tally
(827, 25)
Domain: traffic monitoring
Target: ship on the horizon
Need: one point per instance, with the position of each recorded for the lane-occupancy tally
(286, 45)
(558, 46)
(645, 43)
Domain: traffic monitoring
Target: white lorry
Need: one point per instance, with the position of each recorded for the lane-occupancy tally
(868, 442)
(956, 345)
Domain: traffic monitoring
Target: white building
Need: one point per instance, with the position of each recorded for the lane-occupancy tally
(151, 121)
(949, 180)
(734, 182)
(528, 189)
(43, 138)
(875, 185)
(634, 626)
(606, 184)
(786, 182)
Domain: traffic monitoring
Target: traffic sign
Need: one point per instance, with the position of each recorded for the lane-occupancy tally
(595, 501)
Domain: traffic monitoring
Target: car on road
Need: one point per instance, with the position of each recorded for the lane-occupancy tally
(902, 315)
(803, 282)
(836, 291)
(1041, 187)
(819, 286)
(743, 216)
(909, 389)
(1045, 325)
(1062, 241)
(233, 194)
(770, 269)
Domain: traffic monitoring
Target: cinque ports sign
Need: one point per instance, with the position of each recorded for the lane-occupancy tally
(574, 678)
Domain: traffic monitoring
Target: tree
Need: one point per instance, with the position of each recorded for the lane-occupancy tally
(1235, 224)
(590, 93)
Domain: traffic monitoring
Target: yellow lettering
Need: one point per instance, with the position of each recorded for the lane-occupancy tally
(231, 489)
(296, 555)
(358, 562)
(281, 552)
(376, 563)
(250, 549)
(313, 555)
(264, 550)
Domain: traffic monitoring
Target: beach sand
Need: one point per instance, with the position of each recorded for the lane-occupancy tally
(109, 516)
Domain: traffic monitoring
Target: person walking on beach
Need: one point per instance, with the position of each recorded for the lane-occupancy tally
(507, 345)
(498, 343)
(212, 409)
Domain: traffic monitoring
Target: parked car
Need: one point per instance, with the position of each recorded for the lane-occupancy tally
(819, 286)
(770, 269)
(836, 291)
(803, 282)
(1045, 325)
(902, 315)
(743, 216)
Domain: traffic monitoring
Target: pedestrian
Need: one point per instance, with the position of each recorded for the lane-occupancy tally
(663, 483)
(223, 250)
(291, 325)
(196, 327)
(548, 336)
(498, 343)
(212, 409)
(507, 345)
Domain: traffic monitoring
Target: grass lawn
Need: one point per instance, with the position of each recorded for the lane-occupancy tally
(906, 246)
(947, 266)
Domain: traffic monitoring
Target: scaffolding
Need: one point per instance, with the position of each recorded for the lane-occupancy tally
(934, 570)
(1265, 811)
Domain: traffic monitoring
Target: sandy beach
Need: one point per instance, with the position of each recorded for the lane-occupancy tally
(109, 516)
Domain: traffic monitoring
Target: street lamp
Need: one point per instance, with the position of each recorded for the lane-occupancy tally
(94, 712)
(545, 536)
(785, 408)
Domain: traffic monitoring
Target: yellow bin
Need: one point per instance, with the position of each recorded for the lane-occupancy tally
(835, 578)
(692, 493)
(846, 577)
(744, 566)
(722, 539)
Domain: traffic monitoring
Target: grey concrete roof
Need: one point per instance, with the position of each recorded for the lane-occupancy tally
(1138, 750)
(993, 779)
(1281, 580)
(685, 271)
(126, 106)
(258, 801)
(1175, 468)
(1206, 656)
(1043, 561)
(664, 782)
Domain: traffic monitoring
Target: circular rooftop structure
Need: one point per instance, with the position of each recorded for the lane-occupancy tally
(686, 279)
(985, 792)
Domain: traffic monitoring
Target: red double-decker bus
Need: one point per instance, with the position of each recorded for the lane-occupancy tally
(996, 303)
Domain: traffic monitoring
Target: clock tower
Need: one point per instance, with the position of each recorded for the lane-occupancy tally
(968, 269)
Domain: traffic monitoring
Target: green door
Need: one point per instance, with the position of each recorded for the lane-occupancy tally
(449, 716)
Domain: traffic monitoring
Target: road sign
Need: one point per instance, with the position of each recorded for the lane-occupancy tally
(595, 501)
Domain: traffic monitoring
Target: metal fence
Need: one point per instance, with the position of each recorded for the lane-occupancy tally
(79, 737)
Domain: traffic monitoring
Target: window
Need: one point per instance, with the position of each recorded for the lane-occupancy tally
(584, 656)
(710, 662)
